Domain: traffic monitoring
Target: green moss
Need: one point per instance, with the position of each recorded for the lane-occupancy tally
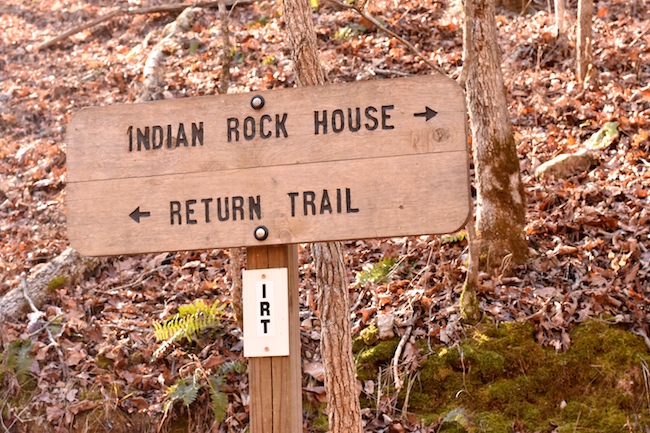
(369, 360)
(489, 364)
(57, 282)
(104, 362)
(136, 358)
(315, 413)
(380, 353)
(369, 335)
(500, 377)
(493, 422)
(321, 423)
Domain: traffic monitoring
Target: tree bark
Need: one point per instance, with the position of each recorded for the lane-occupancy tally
(560, 19)
(302, 40)
(336, 343)
(470, 310)
(583, 42)
(500, 209)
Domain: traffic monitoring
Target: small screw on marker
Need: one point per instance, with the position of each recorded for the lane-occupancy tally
(266, 349)
(257, 102)
(261, 233)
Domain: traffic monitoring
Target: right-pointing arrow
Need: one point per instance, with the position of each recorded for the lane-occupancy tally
(137, 214)
(427, 114)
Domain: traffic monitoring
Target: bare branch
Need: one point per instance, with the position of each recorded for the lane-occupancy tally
(139, 11)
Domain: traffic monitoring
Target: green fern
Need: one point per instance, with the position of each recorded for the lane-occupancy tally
(376, 273)
(456, 237)
(185, 390)
(189, 322)
(18, 359)
(218, 398)
(235, 366)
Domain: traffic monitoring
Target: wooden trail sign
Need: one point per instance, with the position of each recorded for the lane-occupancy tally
(348, 161)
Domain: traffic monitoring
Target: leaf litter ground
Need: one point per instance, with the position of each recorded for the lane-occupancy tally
(588, 232)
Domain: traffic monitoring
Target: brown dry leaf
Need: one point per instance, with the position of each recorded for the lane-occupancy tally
(315, 370)
(214, 360)
(632, 273)
(645, 93)
(54, 413)
(318, 391)
(75, 409)
(139, 403)
(562, 250)
(75, 355)
(640, 138)
(367, 313)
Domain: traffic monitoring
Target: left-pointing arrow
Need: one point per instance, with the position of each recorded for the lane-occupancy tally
(137, 214)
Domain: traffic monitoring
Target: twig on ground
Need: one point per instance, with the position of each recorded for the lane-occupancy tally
(35, 310)
(126, 328)
(2, 408)
(409, 387)
(23, 284)
(80, 28)
(638, 38)
(140, 279)
(391, 33)
(389, 72)
(48, 323)
(357, 303)
(398, 354)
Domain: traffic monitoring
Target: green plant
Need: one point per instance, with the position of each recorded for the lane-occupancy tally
(190, 321)
(17, 359)
(187, 389)
(376, 273)
(456, 237)
(350, 31)
(237, 56)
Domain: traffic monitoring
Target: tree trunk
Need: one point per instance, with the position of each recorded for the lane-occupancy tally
(336, 343)
(560, 19)
(583, 42)
(501, 208)
(302, 40)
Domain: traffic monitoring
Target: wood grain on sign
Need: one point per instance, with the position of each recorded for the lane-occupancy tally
(349, 161)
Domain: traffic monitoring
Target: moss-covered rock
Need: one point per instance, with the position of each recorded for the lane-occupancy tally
(500, 377)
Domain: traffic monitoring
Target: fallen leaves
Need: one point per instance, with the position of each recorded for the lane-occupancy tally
(588, 227)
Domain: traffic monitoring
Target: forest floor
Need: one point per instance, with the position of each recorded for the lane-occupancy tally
(588, 230)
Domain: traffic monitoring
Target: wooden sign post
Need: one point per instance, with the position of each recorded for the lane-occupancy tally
(267, 170)
(275, 382)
